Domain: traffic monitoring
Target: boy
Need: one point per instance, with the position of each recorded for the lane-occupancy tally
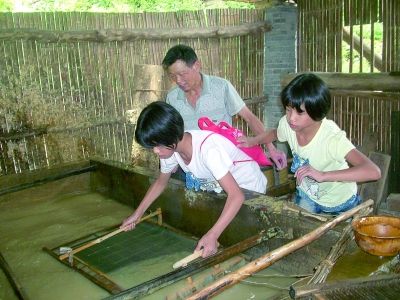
(210, 159)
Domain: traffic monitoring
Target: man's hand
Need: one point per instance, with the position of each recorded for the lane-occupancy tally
(246, 141)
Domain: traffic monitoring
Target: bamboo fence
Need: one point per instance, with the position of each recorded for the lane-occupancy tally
(70, 78)
(366, 31)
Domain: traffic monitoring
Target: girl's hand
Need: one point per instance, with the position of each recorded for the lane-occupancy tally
(308, 171)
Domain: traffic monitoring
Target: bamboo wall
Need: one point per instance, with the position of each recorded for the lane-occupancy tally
(356, 36)
(70, 77)
(367, 32)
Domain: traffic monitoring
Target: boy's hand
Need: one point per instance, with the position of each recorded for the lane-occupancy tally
(130, 222)
(209, 245)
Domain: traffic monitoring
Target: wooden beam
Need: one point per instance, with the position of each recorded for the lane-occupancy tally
(354, 81)
(111, 35)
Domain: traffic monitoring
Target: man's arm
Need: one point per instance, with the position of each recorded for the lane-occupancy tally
(277, 156)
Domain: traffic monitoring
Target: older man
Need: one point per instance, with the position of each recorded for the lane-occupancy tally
(197, 95)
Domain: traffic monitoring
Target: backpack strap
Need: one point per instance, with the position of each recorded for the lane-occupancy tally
(235, 161)
(201, 145)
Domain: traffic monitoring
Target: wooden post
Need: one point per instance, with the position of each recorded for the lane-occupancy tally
(151, 84)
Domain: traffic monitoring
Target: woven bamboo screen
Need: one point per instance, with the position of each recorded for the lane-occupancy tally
(365, 32)
(70, 77)
(366, 117)
(355, 36)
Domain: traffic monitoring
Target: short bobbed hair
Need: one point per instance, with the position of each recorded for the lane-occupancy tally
(310, 90)
(179, 52)
(159, 124)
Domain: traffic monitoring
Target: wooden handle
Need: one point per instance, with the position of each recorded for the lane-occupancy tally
(184, 261)
(108, 235)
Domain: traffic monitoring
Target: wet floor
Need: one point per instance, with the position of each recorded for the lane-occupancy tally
(356, 264)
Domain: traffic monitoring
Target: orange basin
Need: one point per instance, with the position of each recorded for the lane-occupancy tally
(378, 235)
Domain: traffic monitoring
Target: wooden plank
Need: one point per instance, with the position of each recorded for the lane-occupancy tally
(394, 182)
(375, 189)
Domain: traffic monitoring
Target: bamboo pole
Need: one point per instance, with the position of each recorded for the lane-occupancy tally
(273, 256)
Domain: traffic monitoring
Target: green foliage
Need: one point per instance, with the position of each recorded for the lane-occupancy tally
(378, 31)
(117, 5)
(6, 5)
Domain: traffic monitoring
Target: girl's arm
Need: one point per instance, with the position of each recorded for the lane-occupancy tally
(362, 169)
(152, 193)
(277, 156)
(232, 206)
(265, 137)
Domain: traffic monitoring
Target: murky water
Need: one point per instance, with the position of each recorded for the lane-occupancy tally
(46, 216)
(356, 264)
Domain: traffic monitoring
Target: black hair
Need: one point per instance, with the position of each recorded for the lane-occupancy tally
(179, 52)
(159, 124)
(312, 91)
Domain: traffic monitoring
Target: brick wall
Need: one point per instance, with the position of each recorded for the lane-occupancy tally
(279, 57)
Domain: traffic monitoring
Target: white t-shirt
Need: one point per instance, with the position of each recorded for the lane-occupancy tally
(325, 152)
(213, 157)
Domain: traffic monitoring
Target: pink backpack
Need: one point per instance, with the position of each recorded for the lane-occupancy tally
(232, 133)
